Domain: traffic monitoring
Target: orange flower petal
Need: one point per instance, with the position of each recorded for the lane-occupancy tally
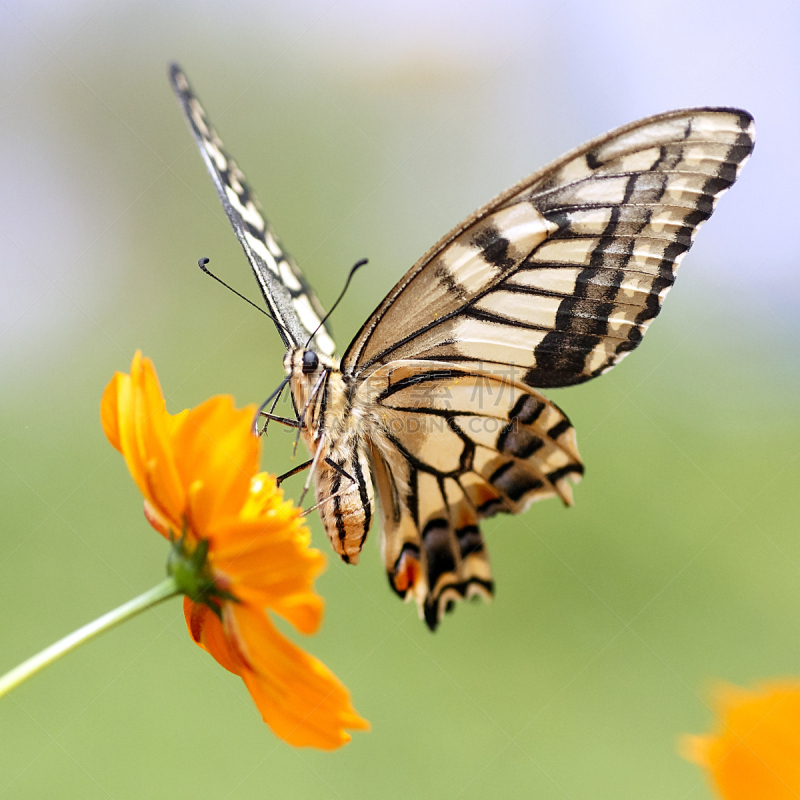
(297, 695)
(755, 755)
(123, 417)
(164, 526)
(264, 552)
(109, 410)
(117, 413)
(206, 630)
(151, 436)
(266, 557)
(304, 611)
(214, 446)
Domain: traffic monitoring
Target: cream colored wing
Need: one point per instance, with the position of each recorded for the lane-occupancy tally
(451, 446)
(560, 276)
(290, 299)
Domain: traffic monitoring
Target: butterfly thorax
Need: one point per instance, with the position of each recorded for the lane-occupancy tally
(313, 379)
(334, 429)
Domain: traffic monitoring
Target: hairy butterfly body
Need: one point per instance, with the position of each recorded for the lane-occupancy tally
(435, 401)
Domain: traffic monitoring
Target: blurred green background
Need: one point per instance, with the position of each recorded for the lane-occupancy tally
(370, 129)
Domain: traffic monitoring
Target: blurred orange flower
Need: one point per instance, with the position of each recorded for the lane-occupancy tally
(245, 548)
(755, 754)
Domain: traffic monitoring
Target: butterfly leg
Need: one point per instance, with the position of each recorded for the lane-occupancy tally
(312, 466)
(281, 478)
(306, 465)
(302, 419)
(334, 466)
(270, 417)
(276, 396)
(339, 470)
(337, 494)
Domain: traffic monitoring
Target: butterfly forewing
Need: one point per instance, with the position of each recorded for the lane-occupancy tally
(549, 284)
(627, 210)
(289, 297)
(560, 275)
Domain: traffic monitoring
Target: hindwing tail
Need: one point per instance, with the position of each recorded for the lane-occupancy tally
(433, 549)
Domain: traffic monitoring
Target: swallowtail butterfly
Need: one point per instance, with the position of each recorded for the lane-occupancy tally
(435, 402)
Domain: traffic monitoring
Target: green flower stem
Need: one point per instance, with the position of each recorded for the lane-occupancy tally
(163, 591)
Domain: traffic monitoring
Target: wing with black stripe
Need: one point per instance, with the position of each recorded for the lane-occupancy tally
(560, 276)
(456, 445)
(290, 299)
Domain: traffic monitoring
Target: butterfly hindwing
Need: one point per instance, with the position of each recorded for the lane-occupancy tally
(433, 550)
(290, 299)
(454, 445)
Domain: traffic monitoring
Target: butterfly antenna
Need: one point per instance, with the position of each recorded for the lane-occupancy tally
(360, 263)
(203, 264)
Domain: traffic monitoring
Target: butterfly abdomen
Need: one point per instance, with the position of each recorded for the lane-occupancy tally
(344, 492)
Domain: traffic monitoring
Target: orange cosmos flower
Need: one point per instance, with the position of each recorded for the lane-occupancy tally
(238, 550)
(755, 754)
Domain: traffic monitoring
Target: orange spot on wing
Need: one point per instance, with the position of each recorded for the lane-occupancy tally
(407, 573)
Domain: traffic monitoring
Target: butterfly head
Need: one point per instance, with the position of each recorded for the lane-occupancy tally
(305, 367)
(307, 371)
(305, 362)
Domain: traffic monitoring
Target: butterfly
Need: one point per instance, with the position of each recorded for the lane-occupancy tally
(436, 403)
